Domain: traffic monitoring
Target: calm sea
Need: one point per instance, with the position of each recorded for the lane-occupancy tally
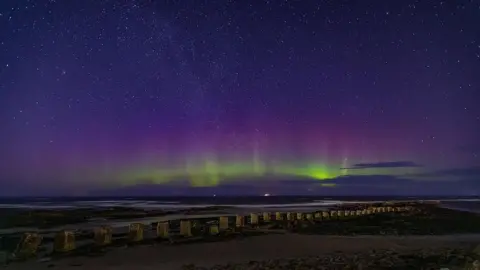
(283, 202)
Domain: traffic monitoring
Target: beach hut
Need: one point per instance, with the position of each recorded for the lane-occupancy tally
(278, 216)
(333, 214)
(266, 217)
(253, 219)
(240, 221)
(223, 223)
(135, 232)
(289, 216)
(64, 241)
(163, 229)
(318, 215)
(310, 216)
(214, 230)
(186, 228)
(102, 235)
(358, 212)
(28, 245)
(299, 216)
(325, 215)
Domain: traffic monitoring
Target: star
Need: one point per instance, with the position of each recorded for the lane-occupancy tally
(186, 91)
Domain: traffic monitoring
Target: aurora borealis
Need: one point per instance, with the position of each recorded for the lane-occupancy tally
(104, 94)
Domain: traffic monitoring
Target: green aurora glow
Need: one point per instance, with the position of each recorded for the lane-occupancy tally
(211, 172)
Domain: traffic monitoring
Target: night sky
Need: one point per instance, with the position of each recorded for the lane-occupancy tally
(314, 97)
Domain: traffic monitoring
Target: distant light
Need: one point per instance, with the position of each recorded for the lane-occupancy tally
(214, 195)
(266, 194)
(328, 184)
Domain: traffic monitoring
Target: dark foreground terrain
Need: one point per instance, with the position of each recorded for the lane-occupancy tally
(428, 237)
(281, 251)
(432, 258)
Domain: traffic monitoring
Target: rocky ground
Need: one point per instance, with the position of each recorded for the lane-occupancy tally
(50, 218)
(445, 258)
(425, 220)
(309, 243)
(281, 251)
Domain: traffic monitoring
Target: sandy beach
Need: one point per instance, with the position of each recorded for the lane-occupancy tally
(248, 249)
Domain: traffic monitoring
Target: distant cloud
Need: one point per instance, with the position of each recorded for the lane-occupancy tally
(402, 185)
(460, 172)
(392, 164)
(370, 180)
(350, 185)
(471, 148)
(469, 171)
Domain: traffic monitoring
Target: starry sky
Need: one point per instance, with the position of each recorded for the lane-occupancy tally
(257, 95)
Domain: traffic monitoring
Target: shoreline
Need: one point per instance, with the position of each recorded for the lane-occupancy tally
(260, 248)
(152, 215)
(148, 216)
(382, 227)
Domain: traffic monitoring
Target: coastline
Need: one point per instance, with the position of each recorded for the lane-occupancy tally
(260, 248)
(418, 225)
(148, 212)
